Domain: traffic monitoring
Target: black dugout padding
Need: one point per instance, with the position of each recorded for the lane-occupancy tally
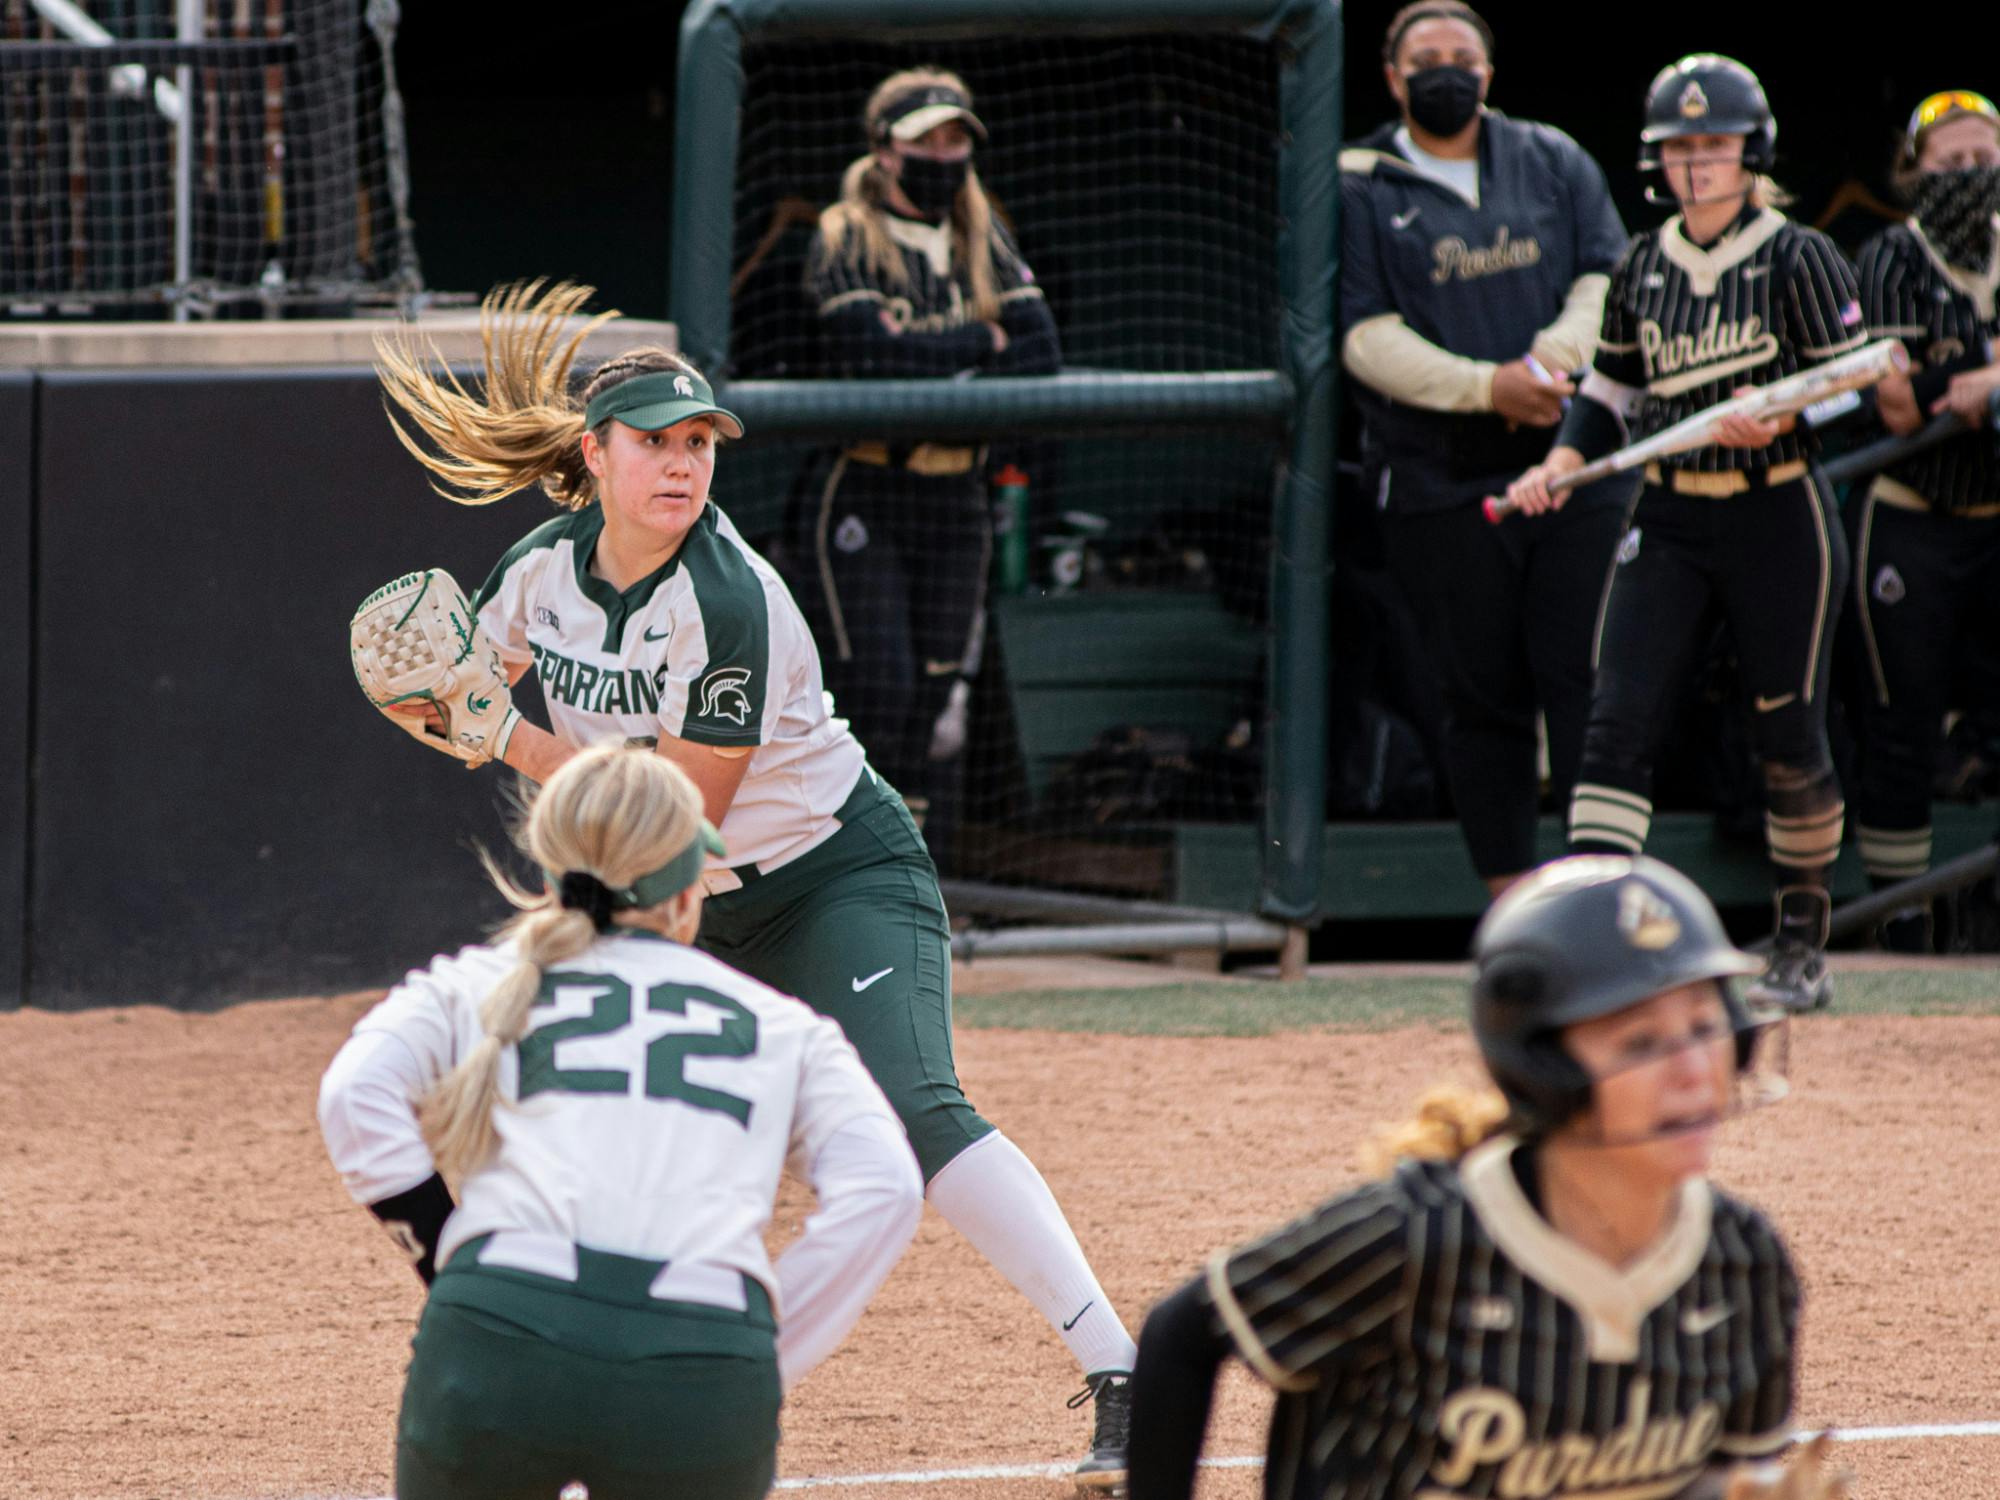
(17, 449)
(218, 813)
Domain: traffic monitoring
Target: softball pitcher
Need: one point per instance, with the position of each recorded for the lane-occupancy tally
(616, 1108)
(648, 619)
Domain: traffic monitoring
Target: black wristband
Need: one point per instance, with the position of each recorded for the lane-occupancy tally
(415, 1220)
(1592, 428)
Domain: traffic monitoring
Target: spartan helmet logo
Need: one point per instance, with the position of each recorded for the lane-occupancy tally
(683, 386)
(724, 695)
(1694, 103)
(1646, 920)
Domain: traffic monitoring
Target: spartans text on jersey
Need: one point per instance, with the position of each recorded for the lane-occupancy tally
(598, 690)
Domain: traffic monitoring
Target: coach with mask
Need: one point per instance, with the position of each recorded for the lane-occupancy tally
(1476, 251)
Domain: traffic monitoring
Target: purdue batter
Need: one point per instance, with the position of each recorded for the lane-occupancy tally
(1563, 1306)
(1726, 294)
(912, 276)
(1926, 535)
(647, 618)
(1476, 250)
(616, 1109)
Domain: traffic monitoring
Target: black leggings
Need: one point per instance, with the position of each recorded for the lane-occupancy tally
(1772, 564)
(1927, 607)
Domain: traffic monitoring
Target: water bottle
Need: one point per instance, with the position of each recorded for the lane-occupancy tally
(1010, 530)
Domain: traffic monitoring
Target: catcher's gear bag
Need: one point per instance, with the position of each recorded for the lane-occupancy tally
(1709, 94)
(416, 644)
(1580, 938)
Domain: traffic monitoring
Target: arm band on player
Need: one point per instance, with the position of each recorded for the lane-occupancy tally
(415, 1220)
(1173, 1386)
(1591, 427)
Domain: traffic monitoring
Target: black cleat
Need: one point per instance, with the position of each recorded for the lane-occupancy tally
(1103, 1472)
(1794, 980)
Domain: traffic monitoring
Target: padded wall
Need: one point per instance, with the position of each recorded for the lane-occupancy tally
(17, 447)
(219, 814)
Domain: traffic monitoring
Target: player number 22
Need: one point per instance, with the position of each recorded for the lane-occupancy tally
(666, 1056)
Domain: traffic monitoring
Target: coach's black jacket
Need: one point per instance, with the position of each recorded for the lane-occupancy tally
(1477, 281)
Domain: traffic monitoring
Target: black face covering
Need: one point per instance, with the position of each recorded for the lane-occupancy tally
(1443, 100)
(1956, 210)
(933, 185)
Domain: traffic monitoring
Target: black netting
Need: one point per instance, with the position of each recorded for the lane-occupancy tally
(295, 171)
(1138, 173)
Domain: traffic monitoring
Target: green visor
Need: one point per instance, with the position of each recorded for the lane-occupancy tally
(673, 877)
(661, 399)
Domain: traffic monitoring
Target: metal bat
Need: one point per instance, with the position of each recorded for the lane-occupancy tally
(1782, 398)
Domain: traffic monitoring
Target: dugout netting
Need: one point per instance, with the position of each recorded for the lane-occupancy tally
(205, 157)
(1146, 162)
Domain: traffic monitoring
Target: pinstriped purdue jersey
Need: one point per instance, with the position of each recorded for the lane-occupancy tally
(934, 295)
(1432, 1337)
(1686, 327)
(1947, 321)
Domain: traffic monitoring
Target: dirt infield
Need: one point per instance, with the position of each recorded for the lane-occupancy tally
(192, 1308)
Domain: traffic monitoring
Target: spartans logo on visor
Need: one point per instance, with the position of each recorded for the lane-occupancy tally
(724, 695)
(684, 387)
(1646, 920)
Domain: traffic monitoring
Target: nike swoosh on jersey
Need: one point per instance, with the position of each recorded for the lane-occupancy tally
(1404, 221)
(1772, 705)
(661, 635)
(1699, 1320)
(862, 984)
(1751, 273)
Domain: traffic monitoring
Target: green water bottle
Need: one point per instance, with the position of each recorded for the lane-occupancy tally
(1010, 530)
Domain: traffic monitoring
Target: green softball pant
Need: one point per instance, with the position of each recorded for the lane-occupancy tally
(520, 1385)
(856, 928)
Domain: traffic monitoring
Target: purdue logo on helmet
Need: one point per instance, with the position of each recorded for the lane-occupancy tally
(1709, 94)
(1578, 939)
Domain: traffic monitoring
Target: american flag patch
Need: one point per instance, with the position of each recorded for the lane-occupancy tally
(1850, 315)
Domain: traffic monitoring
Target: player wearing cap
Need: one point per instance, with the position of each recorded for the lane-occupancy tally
(1728, 293)
(1476, 252)
(1544, 1295)
(1926, 535)
(648, 619)
(912, 276)
(615, 1109)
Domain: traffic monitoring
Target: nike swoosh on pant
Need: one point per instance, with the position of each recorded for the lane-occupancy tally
(1079, 1314)
(862, 984)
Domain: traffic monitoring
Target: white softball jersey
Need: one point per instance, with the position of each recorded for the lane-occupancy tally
(649, 1112)
(710, 648)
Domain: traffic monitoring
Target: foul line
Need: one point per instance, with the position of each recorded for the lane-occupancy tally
(1256, 1461)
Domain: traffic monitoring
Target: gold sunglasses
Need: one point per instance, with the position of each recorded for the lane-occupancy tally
(1950, 102)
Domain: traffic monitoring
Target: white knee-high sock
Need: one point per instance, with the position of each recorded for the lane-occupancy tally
(991, 1193)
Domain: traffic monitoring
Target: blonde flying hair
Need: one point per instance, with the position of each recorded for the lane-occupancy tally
(525, 424)
(857, 227)
(612, 811)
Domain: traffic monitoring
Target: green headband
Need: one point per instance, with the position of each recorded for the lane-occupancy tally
(660, 399)
(673, 877)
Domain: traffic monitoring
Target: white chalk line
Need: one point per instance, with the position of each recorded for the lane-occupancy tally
(1256, 1460)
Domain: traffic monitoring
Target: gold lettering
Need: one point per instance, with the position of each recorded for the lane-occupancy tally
(1451, 256)
(1716, 342)
(1483, 1426)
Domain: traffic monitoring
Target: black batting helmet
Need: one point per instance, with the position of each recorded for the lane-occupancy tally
(1706, 93)
(1578, 939)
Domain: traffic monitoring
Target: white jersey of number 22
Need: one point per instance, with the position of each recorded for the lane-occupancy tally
(648, 1112)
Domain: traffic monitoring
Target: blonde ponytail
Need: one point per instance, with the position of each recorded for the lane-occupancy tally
(1450, 1120)
(612, 811)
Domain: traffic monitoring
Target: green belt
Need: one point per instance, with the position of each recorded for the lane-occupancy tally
(595, 1313)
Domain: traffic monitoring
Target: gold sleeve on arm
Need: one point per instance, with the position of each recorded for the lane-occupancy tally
(1385, 353)
(1570, 343)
